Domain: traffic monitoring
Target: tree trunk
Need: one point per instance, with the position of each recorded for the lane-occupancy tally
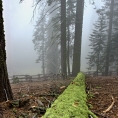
(98, 56)
(43, 52)
(63, 37)
(5, 88)
(97, 67)
(43, 59)
(109, 38)
(78, 36)
(68, 50)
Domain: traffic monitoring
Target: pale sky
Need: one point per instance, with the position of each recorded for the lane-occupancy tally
(18, 30)
(18, 34)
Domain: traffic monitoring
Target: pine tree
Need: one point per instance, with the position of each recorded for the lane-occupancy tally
(63, 33)
(40, 40)
(52, 55)
(98, 42)
(114, 44)
(70, 25)
(111, 11)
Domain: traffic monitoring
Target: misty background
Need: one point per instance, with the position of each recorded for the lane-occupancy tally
(19, 27)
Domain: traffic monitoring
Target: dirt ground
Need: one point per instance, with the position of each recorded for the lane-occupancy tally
(104, 93)
(32, 99)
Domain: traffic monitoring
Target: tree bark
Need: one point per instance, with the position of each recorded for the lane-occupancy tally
(68, 49)
(78, 36)
(43, 51)
(109, 38)
(63, 37)
(5, 88)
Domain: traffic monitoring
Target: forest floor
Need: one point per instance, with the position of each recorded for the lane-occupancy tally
(103, 96)
(31, 99)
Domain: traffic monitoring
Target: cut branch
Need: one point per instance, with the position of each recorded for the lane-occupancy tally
(109, 108)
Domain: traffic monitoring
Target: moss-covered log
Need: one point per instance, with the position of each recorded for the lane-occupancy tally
(72, 102)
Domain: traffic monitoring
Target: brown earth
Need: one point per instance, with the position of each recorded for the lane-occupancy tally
(104, 92)
(32, 99)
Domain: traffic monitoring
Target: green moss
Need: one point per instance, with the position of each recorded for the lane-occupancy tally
(72, 102)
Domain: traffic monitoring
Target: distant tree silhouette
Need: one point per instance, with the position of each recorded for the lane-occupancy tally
(109, 38)
(98, 38)
(113, 51)
(78, 37)
(63, 37)
(40, 40)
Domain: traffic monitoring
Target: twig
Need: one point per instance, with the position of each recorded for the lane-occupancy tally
(109, 108)
(42, 95)
(48, 95)
(46, 14)
(48, 101)
(35, 115)
(35, 9)
(20, 90)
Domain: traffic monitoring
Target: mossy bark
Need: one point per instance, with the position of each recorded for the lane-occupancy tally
(72, 102)
(5, 88)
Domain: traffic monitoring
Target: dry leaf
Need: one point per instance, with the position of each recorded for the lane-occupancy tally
(62, 87)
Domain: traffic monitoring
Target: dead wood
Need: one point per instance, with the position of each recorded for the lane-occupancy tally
(41, 95)
(109, 108)
(17, 103)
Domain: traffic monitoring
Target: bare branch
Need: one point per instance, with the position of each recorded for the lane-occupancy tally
(46, 14)
(109, 108)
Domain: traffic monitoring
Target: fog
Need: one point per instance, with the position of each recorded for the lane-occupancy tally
(19, 27)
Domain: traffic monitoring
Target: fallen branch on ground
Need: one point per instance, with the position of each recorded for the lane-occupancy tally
(109, 108)
(20, 90)
(45, 95)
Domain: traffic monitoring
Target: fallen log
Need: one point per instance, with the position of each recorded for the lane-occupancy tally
(72, 102)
